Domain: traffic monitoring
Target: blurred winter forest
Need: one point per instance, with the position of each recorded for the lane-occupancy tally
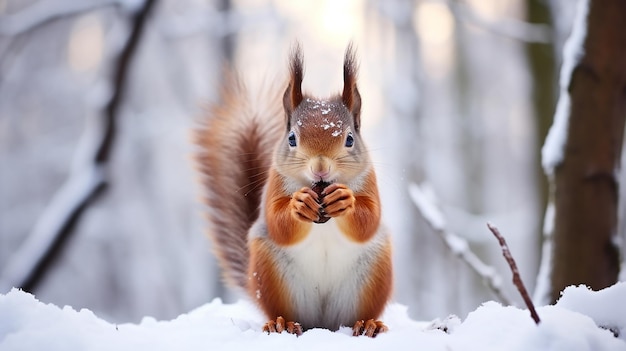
(99, 201)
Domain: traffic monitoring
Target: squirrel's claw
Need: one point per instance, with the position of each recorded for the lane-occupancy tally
(279, 325)
(369, 328)
(304, 205)
(337, 200)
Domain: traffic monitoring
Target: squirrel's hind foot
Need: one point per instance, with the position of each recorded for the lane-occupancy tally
(279, 325)
(369, 328)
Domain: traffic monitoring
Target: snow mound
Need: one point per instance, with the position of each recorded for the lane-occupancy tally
(579, 321)
(603, 306)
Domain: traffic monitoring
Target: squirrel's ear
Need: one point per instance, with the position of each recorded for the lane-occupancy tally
(351, 97)
(293, 95)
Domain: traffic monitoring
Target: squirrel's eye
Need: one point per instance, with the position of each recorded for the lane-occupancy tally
(292, 139)
(349, 140)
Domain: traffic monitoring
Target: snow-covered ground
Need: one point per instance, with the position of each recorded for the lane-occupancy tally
(581, 320)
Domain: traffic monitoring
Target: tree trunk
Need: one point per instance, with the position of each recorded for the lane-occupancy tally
(585, 184)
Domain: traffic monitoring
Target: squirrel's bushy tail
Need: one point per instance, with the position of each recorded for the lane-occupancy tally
(236, 141)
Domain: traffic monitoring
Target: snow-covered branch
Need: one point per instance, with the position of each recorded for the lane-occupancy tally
(59, 215)
(457, 245)
(87, 176)
(512, 28)
(40, 12)
(541, 295)
(554, 146)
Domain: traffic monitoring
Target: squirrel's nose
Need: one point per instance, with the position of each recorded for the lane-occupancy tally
(320, 168)
(321, 175)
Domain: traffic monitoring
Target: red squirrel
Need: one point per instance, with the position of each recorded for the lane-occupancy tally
(293, 204)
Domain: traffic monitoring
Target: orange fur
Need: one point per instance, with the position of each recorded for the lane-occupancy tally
(235, 143)
(262, 208)
(282, 227)
(378, 288)
(362, 222)
(265, 285)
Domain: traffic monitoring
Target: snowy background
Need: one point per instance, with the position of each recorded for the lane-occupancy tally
(446, 87)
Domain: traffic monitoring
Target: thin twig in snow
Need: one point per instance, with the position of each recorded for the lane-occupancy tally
(517, 279)
(457, 245)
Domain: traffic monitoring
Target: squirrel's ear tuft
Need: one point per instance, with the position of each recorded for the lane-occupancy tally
(293, 95)
(350, 96)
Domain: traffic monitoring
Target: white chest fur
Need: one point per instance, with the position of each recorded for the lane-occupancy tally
(325, 275)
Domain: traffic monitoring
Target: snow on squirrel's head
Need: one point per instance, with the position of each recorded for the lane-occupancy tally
(322, 141)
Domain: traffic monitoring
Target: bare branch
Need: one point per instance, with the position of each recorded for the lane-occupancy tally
(517, 279)
(457, 245)
(120, 78)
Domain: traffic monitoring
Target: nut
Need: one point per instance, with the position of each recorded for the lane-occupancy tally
(318, 188)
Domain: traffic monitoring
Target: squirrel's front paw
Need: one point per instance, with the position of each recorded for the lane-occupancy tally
(304, 205)
(338, 199)
(279, 325)
(369, 328)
